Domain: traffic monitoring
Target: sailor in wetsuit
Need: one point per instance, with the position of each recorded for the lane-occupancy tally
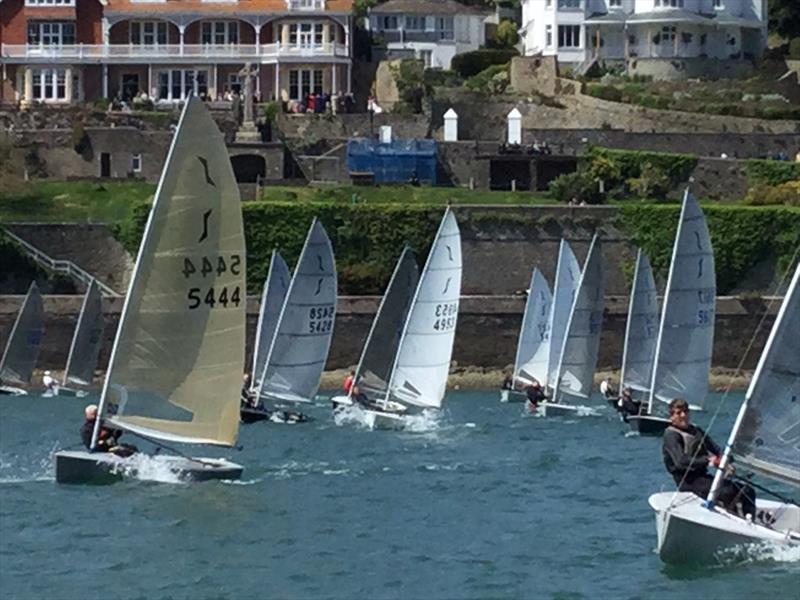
(688, 451)
(627, 405)
(106, 438)
(534, 394)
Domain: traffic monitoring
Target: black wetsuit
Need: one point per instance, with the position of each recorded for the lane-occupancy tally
(628, 407)
(535, 395)
(106, 440)
(508, 384)
(685, 455)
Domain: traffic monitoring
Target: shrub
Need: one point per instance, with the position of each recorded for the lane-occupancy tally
(442, 78)
(787, 194)
(472, 63)
(651, 183)
(794, 48)
(605, 92)
(772, 172)
(506, 36)
(269, 111)
(409, 75)
(578, 187)
(677, 167)
(494, 80)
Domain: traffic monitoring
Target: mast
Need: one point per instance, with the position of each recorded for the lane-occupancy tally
(726, 455)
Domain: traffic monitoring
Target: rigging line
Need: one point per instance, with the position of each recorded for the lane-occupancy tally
(749, 481)
(739, 369)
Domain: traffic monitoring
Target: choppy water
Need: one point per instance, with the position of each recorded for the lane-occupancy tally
(485, 503)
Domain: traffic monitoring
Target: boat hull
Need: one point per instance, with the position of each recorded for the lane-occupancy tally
(512, 396)
(689, 533)
(648, 424)
(550, 409)
(99, 468)
(10, 390)
(374, 418)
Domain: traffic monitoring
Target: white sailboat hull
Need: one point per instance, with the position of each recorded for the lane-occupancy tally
(102, 467)
(10, 390)
(512, 396)
(549, 409)
(65, 392)
(391, 419)
(689, 533)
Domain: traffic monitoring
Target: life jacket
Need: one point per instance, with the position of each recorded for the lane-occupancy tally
(348, 383)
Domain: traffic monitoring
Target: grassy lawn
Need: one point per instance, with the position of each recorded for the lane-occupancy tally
(67, 201)
(400, 194)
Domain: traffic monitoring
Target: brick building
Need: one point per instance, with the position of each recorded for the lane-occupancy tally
(66, 51)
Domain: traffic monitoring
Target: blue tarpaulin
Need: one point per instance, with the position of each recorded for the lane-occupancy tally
(395, 162)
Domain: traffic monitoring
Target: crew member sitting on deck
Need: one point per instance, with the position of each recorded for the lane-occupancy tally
(106, 438)
(535, 394)
(627, 406)
(688, 451)
(606, 389)
(49, 382)
(508, 381)
(348, 381)
(248, 398)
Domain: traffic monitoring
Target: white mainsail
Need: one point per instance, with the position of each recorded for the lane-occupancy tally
(272, 299)
(686, 334)
(568, 273)
(582, 339)
(87, 339)
(641, 330)
(177, 362)
(377, 358)
(302, 339)
(533, 349)
(22, 347)
(419, 374)
(767, 438)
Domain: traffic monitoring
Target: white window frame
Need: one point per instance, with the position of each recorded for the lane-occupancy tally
(446, 28)
(668, 33)
(149, 30)
(571, 34)
(220, 33)
(414, 23)
(182, 81)
(614, 4)
(51, 84)
(52, 31)
(426, 56)
(718, 4)
(305, 34)
(669, 3)
(548, 36)
(305, 81)
(136, 163)
(570, 4)
(49, 2)
(387, 23)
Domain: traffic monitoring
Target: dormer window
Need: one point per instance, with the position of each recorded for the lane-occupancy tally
(305, 4)
(670, 3)
(49, 2)
(614, 3)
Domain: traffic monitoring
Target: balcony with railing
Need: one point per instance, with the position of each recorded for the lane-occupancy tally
(401, 35)
(126, 53)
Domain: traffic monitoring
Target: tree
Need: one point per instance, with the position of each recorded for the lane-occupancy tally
(505, 36)
(784, 17)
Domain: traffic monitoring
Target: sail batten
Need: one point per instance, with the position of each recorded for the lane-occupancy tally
(686, 332)
(302, 338)
(176, 365)
(429, 329)
(22, 347)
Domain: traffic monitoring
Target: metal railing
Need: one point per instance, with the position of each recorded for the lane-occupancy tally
(106, 52)
(61, 266)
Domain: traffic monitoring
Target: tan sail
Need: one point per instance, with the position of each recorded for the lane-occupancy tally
(177, 363)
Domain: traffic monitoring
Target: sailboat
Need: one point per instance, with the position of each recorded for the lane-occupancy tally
(299, 349)
(374, 368)
(530, 362)
(568, 274)
(85, 346)
(22, 347)
(641, 331)
(272, 299)
(418, 377)
(765, 439)
(176, 365)
(686, 333)
(579, 350)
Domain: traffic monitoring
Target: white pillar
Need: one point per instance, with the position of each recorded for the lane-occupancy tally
(68, 85)
(150, 82)
(105, 81)
(105, 26)
(514, 127)
(277, 81)
(181, 32)
(334, 87)
(450, 126)
(258, 82)
(212, 85)
(28, 85)
(349, 77)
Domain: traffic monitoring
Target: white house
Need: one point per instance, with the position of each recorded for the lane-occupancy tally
(577, 31)
(432, 30)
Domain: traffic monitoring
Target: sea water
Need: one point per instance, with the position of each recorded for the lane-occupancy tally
(482, 502)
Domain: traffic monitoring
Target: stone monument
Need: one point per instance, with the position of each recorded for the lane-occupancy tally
(248, 132)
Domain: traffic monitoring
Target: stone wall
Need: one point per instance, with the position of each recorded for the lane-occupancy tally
(486, 335)
(313, 128)
(686, 68)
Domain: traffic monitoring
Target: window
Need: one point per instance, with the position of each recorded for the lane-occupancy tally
(235, 83)
(668, 33)
(445, 27)
(136, 163)
(148, 33)
(548, 36)
(614, 3)
(220, 33)
(569, 36)
(426, 56)
(302, 82)
(305, 34)
(415, 23)
(569, 3)
(178, 84)
(44, 33)
(49, 2)
(49, 84)
(670, 3)
(387, 22)
(719, 4)
(548, 3)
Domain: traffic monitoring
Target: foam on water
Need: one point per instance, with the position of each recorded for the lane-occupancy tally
(152, 468)
(428, 421)
(759, 552)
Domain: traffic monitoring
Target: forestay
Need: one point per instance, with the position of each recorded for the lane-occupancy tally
(768, 438)
(176, 367)
(419, 375)
(568, 273)
(533, 348)
(22, 347)
(582, 339)
(377, 358)
(300, 346)
(86, 340)
(272, 299)
(686, 333)
(641, 330)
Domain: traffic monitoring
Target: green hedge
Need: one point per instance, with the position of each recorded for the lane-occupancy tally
(741, 237)
(472, 63)
(772, 172)
(677, 167)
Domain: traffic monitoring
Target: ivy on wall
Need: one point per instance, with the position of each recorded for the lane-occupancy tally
(630, 163)
(772, 172)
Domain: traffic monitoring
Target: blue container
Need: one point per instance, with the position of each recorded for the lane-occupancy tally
(396, 162)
